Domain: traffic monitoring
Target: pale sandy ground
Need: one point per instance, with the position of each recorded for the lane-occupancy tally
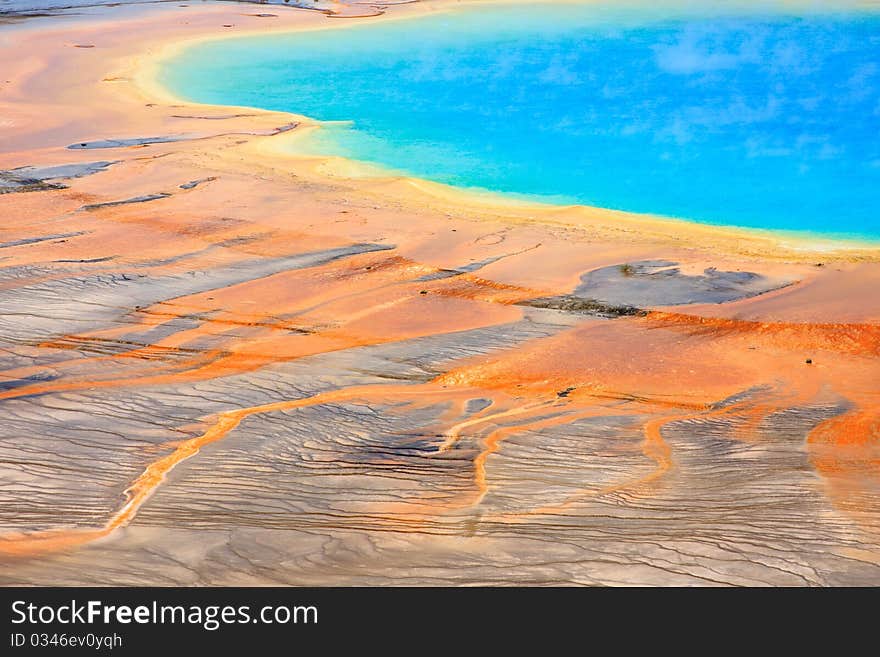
(282, 374)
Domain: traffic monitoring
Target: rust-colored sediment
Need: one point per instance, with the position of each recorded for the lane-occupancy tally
(207, 287)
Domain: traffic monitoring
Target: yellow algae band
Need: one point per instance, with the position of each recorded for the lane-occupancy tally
(740, 197)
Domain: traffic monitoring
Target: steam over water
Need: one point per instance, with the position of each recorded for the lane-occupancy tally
(767, 121)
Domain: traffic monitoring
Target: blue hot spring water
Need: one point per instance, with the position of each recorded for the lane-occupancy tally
(757, 119)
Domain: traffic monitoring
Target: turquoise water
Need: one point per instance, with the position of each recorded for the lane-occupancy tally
(758, 120)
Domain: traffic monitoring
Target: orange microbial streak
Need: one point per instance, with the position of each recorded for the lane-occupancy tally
(654, 446)
(454, 434)
(862, 339)
(296, 328)
(30, 543)
(845, 450)
(493, 441)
